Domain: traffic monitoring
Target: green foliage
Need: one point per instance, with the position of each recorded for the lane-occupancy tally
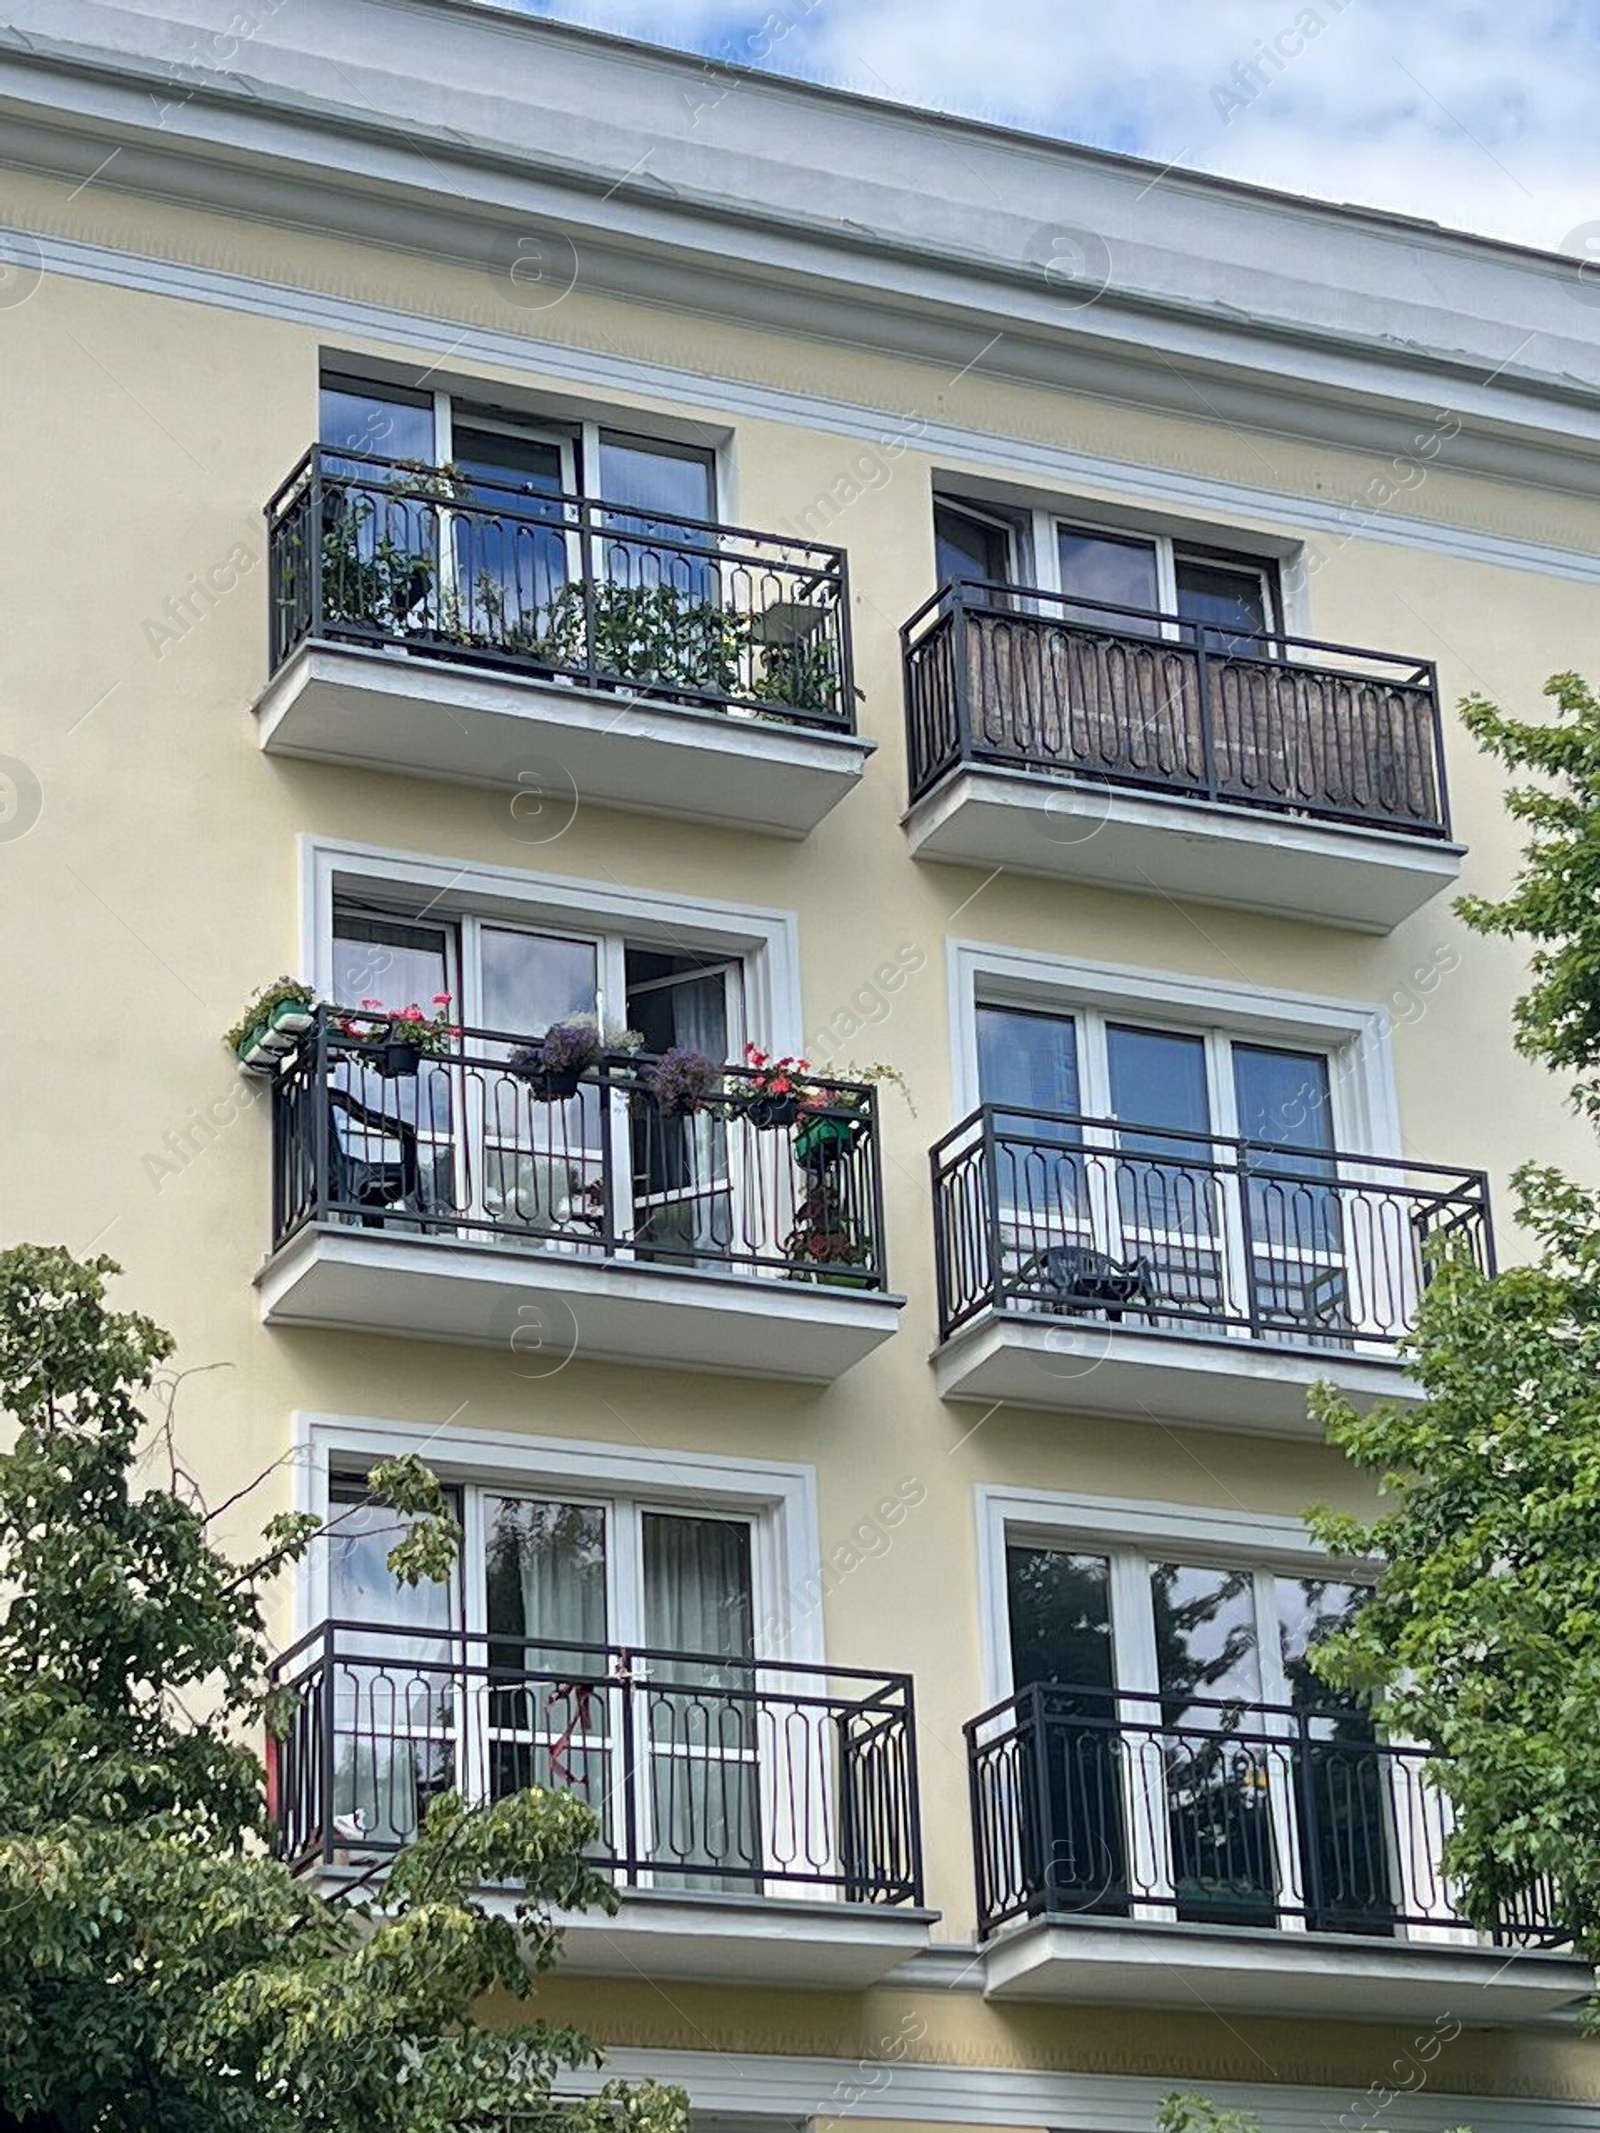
(1193, 2114)
(1483, 1638)
(282, 992)
(1556, 901)
(159, 1973)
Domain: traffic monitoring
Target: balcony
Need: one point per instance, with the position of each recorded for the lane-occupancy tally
(760, 1819)
(1095, 1265)
(456, 1198)
(1282, 1860)
(1141, 752)
(556, 648)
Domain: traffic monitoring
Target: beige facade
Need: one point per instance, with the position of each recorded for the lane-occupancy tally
(167, 318)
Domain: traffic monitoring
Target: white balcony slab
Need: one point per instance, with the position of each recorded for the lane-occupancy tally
(715, 1939)
(1117, 1962)
(1082, 1364)
(563, 746)
(742, 1940)
(546, 1307)
(1195, 850)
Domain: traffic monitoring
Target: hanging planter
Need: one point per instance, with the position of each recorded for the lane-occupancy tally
(767, 1092)
(272, 1025)
(682, 1081)
(554, 1065)
(824, 1140)
(393, 1041)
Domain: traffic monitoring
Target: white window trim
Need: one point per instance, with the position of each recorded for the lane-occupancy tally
(780, 1498)
(1204, 1532)
(1355, 1034)
(767, 942)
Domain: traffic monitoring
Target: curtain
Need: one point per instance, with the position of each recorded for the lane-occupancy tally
(704, 1747)
(549, 1720)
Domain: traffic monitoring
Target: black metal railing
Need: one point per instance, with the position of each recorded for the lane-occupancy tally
(1101, 1803)
(469, 1143)
(1059, 1214)
(1034, 681)
(705, 1772)
(387, 553)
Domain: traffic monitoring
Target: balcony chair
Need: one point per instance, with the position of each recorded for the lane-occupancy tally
(358, 1181)
(1073, 1277)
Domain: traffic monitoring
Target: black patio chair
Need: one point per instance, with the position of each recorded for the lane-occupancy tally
(357, 1180)
(1073, 1277)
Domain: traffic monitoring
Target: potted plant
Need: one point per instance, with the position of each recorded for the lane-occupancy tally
(271, 1025)
(768, 1091)
(834, 1121)
(554, 1065)
(682, 1081)
(827, 1243)
(395, 1039)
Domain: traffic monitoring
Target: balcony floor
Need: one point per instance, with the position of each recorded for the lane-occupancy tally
(1110, 1961)
(548, 1308)
(1081, 1364)
(431, 718)
(1172, 845)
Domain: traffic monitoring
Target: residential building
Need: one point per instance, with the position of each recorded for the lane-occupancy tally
(530, 527)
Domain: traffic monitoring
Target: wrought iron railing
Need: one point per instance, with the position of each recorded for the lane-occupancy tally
(470, 1143)
(390, 554)
(1035, 681)
(705, 1772)
(1058, 1214)
(1102, 1803)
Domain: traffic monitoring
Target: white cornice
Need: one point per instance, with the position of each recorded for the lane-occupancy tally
(449, 129)
(781, 2088)
(465, 345)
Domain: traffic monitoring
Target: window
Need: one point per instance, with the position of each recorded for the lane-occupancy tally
(463, 1140)
(1139, 584)
(1168, 1668)
(1115, 1166)
(512, 1675)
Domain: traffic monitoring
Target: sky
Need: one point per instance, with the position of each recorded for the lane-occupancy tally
(1482, 118)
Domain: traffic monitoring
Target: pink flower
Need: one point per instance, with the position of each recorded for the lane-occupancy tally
(441, 999)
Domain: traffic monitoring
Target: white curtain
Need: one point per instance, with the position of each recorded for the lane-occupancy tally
(704, 1747)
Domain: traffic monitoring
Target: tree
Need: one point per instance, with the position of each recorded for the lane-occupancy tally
(1483, 1638)
(160, 1972)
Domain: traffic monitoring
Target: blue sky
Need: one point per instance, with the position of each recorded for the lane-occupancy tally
(1480, 117)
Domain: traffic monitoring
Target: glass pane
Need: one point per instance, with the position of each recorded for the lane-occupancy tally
(1349, 1793)
(1158, 1078)
(385, 422)
(511, 552)
(394, 1696)
(1029, 1060)
(697, 1593)
(1283, 1097)
(533, 979)
(1229, 603)
(1070, 1820)
(389, 959)
(1060, 1613)
(654, 477)
(1111, 569)
(1295, 1222)
(969, 548)
(1221, 1766)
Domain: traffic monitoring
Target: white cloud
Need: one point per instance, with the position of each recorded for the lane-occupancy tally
(1478, 117)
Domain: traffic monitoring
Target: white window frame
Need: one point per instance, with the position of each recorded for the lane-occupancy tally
(764, 942)
(1353, 1038)
(1132, 1533)
(779, 1499)
(1353, 1035)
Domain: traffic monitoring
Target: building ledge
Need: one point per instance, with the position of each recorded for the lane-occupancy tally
(1113, 1961)
(1084, 1365)
(547, 1309)
(555, 745)
(1210, 852)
